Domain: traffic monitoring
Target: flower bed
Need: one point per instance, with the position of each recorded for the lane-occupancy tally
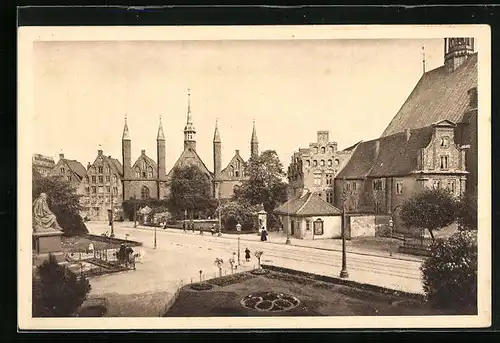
(201, 286)
(231, 279)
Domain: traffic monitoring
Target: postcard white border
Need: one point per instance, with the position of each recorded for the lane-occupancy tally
(28, 35)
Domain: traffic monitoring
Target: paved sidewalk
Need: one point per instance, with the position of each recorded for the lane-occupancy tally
(363, 245)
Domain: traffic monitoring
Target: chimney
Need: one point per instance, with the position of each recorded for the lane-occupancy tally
(61, 156)
(237, 152)
(143, 152)
(377, 148)
(99, 152)
(88, 165)
(407, 134)
(472, 97)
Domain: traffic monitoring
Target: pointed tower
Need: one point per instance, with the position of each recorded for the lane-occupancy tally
(457, 51)
(127, 162)
(217, 145)
(160, 152)
(189, 130)
(254, 143)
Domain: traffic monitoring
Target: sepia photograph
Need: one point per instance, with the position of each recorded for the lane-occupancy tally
(254, 177)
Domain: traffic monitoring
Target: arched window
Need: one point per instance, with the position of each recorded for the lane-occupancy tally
(150, 172)
(316, 150)
(318, 227)
(86, 179)
(100, 169)
(330, 149)
(329, 163)
(238, 165)
(108, 170)
(114, 178)
(231, 171)
(144, 192)
(137, 172)
(337, 162)
(236, 173)
(144, 165)
(315, 163)
(62, 170)
(308, 163)
(322, 163)
(323, 150)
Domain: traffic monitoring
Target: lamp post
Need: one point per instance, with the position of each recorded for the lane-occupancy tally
(112, 215)
(155, 237)
(135, 212)
(220, 217)
(238, 228)
(343, 273)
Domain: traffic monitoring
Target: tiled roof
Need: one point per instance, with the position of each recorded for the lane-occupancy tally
(438, 95)
(396, 156)
(184, 155)
(118, 166)
(308, 205)
(361, 161)
(77, 168)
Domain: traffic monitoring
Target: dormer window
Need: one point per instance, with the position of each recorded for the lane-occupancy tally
(444, 142)
(322, 150)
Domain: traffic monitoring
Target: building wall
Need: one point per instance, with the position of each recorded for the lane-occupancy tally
(227, 188)
(331, 227)
(315, 168)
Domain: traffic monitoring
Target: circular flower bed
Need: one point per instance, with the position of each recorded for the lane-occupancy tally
(201, 286)
(270, 301)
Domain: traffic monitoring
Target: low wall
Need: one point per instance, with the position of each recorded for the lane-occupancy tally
(367, 225)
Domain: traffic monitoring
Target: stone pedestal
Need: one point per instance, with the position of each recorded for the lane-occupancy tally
(45, 243)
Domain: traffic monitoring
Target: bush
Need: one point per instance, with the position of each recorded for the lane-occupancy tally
(57, 291)
(450, 273)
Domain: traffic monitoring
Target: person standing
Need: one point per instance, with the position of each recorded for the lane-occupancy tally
(263, 235)
(247, 255)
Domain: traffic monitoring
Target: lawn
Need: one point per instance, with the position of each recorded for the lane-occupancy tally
(81, 243)
(239, 296)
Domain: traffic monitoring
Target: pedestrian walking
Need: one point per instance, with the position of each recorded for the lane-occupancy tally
(201, 231)
(247, 255)
(192, 226)
(212, 230)
(184, 226)
(263, 235)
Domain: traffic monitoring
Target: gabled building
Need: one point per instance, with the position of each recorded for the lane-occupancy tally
(316, 167)
(384, 172)
(102, 187)
(42, 165)
(431, 142)
(310, 217)
(448, 93)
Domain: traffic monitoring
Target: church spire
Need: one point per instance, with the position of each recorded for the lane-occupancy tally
(423, 59)
(254, 143)
(126, 135)
(216, 133)
(161, 135)
(254, 134)
(189, 130)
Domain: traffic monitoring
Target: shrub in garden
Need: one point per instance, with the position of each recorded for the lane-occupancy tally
(450, 273)
(57, 291)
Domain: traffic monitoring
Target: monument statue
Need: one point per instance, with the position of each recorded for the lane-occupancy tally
(43, 218)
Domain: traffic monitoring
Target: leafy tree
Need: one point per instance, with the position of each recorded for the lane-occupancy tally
(57, 291)
(431, 209)
(233, 212)
(265, 183)
(190, 190)
(349, 197)
(131, 204)
(467, 212)
(450, 272)
(63, 201)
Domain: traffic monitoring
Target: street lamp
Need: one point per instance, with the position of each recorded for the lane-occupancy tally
(343, 273)
(155, 237)
(220, 217)
(238, 228)
(135, 212)
(112, 214)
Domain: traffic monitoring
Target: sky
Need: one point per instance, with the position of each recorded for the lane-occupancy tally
(291, 88)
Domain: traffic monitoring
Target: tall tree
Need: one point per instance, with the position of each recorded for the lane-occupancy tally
(63, 201)
(265, 183)
(431, 209)
(189, 190)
